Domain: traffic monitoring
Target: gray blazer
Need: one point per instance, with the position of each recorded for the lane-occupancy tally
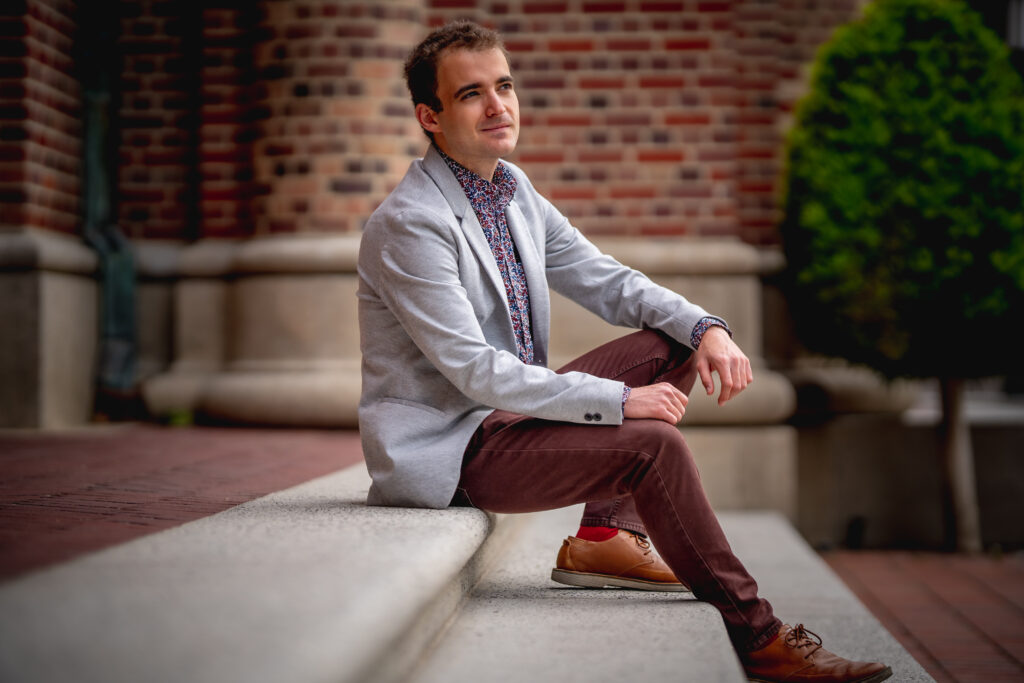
(438, 349)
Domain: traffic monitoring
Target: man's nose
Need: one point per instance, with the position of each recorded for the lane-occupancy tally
(495, 105)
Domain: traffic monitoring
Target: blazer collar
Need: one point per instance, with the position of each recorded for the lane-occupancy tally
(438, 170)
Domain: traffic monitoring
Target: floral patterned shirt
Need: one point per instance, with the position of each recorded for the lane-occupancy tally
(489, 200)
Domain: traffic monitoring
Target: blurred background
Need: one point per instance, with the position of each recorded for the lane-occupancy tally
(184, 186)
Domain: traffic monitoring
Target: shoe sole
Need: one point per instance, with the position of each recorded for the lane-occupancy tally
(587, 580)
(873, 678)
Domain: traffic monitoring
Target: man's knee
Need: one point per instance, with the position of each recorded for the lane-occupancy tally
(656, 436)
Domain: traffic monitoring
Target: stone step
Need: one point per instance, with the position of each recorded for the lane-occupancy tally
(519, 626)
(305, 585)
(310, 585)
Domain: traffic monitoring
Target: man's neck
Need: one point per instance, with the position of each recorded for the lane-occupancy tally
(484, 169)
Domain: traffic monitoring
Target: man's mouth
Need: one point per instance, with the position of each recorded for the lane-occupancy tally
(499, 126)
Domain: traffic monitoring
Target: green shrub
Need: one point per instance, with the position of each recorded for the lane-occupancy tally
(904, 201)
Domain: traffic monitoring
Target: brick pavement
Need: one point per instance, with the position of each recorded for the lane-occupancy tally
(67, 493)
(961, 617)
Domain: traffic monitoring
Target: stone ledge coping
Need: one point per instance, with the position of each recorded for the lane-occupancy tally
(31, 248)
(35, 249)
(683, 256)
(326, 253)
(306, 584)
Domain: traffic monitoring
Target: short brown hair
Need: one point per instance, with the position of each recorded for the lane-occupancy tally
(421, 66)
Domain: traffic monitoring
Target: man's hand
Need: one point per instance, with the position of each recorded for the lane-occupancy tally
(719, 353)
(661, 401)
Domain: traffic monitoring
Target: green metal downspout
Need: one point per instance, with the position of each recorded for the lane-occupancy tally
(99, 70)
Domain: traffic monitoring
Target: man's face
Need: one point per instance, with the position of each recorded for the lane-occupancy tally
(479, 118)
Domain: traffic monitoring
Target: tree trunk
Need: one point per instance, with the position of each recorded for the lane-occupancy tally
(958, 467)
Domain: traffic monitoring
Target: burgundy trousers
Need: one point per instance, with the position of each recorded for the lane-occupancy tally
(639, 475)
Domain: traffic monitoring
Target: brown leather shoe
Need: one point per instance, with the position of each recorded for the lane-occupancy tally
(797, 655)
(626, 560)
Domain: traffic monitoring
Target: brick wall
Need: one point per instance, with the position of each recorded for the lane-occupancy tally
(657, 117)
(338, 132)
(640, 117)
(158, 85)
(229, 116)
(39, 116)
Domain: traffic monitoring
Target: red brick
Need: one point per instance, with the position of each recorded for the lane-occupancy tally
(628, 44)
(660, 155)
(598, 7)
(635, 192)
(581, 120)
(545, 8)
(688, 44)
(519, 45)
(577, 45)
(661, 7)
(688, 119)
(541, 157)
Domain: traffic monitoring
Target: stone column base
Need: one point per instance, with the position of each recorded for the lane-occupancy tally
(265, 333)
(50, 309)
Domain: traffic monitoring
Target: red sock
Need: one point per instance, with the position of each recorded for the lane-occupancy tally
(596, 533)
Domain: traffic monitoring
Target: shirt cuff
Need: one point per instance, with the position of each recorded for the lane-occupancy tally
(703, 325)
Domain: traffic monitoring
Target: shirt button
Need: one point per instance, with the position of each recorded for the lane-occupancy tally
(597, 417)
(588, 417)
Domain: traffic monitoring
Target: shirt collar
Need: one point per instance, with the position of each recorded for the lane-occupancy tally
(483, 193)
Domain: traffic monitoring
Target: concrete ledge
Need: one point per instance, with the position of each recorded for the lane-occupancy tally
(34, 249)
(675, 256)
(327, 397)
(299, 254)
(304, 585)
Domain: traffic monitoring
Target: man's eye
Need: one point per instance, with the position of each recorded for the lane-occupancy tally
(468, 95)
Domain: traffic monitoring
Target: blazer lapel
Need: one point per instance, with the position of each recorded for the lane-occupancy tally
(446, 181)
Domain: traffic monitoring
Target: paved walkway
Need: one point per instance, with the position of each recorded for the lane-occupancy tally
(65, 494)
(961, 617)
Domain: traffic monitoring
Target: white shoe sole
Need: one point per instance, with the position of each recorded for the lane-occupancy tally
(587, 580)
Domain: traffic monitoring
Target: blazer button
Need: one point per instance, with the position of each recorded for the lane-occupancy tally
(588, 417)
(597, 417)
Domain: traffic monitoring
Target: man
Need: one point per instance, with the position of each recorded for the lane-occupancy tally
(458, 406)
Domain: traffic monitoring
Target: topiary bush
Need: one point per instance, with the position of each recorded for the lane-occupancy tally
(903, 222)
(904, 202)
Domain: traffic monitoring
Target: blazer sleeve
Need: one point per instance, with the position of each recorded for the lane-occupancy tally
(419, 282)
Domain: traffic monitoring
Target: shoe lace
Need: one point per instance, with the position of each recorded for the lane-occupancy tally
(800, 637)
(642, 542)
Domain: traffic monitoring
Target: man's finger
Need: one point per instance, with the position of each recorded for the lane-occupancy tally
(725, 377)
(704, 370)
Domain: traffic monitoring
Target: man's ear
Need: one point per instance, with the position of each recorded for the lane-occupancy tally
(427, 118)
